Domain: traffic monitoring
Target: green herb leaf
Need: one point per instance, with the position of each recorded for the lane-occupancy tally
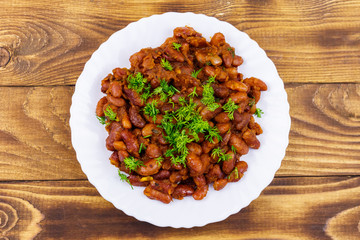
(218, 152)
(132, 164)
(110, 113)
(252, 102)
(136, 82)
(151, 110)
(176, 46)
(236, 172)
(193, 93)
(230, 108)
(124, 178)
(208, 98)
(166, 64)
(159, 160)
(147, 136)
(213, 132)
(233, 149)
(142, 146)
(258, 112)
(101, 120)
(194, 74)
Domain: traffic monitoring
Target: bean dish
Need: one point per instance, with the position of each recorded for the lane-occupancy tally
(181, 117)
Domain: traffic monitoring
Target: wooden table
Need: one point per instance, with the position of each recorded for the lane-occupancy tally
(316, 48)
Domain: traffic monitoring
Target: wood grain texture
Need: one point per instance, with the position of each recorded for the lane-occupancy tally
(291, 208)
(35, 135)
(309, 41)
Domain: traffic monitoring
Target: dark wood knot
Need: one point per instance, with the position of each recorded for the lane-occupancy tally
(4, 57)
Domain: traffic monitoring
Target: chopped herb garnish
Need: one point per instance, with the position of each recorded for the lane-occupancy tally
(236, 172)
(208, 95)
(252, 102)
(193, 93)
(147, 136)
(151, 110)
(233, 149)
(213, 132)
(110, 113)
(146, 93)
(101, 120)
(194, 74)
(166, 64)
(230, 108)
(258, 112)
(136, 82)
(218, 152)
(132, 164)
(124, 178)
(142, 146)
(231, 51)
(176, 46)
(159, 160)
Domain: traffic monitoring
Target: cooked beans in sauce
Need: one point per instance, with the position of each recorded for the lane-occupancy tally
(181, 117)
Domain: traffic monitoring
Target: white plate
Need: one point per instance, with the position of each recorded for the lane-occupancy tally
(88, 135)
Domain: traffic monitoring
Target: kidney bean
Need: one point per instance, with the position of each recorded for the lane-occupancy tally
(164, 186)
(175, 177)
(236, 86)
(205, 159)
(119, 145)
(100, 107)
(120, 73)
(153, 151)
(240, 146)
(207, 114)
(115, 89)
(114, 159)
(256, 83)
(201, 192)
(221, 75)
(105, 85)
(220, 184)
(217, 40)
(135, 117)
(249, 137)
(157, 195)
(124, 117)
(223, 127)
(135, 180)
(174, 54)
(257, 95)
(150, 167)
(162, 174)
(209, 70)
(131, 142)
(220, 90)
(228, 166)
(133, 97)
(185, 32)
(214, 173)
(182, 191)
(225, 139)
(193, 162)
(222, 117)
(238, 97)
(208, 146)
(194, 148)
(148, 129)
(114, 135)
(241, 120)
(122, 154)
(199, 180)
(166, 164)
(232, 73)
(119, 102)
(227, 57)
(237, 61)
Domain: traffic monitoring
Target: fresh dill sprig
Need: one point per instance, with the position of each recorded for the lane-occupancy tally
(166, 64)
(176, 46)
(124, 178)
(132, 164)
(194, 74)
(101, 120)
(218, 152)
(236, 172)
(230, 108)
(142, 146)
(136, 82)
(252, 102)
(151, 110)
(208, 98)
(110, 113)
(193, 93)
(258, 112)
(159, 160)
(233, 149)
(213, 132)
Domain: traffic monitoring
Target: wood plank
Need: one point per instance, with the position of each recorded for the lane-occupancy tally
(35, 135)
(309, 41)
(290, 208)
